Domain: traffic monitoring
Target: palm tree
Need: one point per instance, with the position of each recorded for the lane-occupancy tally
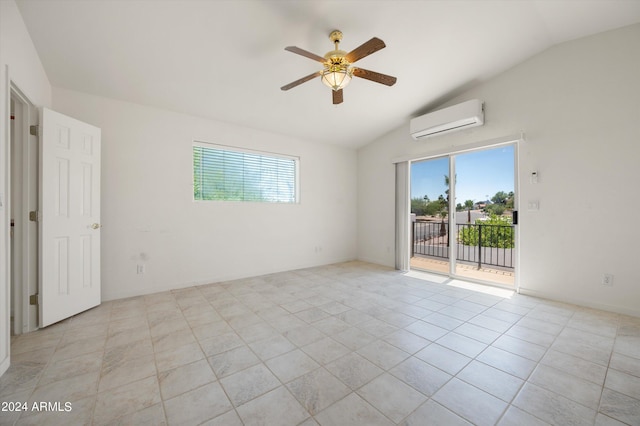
(444, 210)
(468, 205)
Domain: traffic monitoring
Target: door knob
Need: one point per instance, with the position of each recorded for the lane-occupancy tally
(96, 226)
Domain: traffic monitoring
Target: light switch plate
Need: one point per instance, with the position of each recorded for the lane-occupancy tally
(534, 177)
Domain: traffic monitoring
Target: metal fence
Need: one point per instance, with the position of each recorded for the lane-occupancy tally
(476, 243)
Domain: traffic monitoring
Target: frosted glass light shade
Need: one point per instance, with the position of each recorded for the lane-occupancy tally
(336, 80)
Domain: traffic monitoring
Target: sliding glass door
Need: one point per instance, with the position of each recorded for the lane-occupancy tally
(464, 226)
(429, 215)
(484, 228)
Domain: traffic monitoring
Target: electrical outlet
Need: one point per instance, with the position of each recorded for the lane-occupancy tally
(607, 280)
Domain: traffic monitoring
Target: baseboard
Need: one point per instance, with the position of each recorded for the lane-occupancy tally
(217, 279)
(380, 262)
(585, 303)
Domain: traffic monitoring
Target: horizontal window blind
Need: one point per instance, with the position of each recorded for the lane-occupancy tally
(226, 174)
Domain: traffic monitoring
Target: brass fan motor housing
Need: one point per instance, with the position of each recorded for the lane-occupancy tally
(336, 59)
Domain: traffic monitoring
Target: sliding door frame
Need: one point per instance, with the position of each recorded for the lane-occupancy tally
(450, 153)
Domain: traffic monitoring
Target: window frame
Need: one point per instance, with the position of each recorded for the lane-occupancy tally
(242, 150)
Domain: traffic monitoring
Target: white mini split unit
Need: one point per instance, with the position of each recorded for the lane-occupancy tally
(451, 119)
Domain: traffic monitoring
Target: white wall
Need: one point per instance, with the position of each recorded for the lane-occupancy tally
(579, 105)
(17, 55)
(149, 216)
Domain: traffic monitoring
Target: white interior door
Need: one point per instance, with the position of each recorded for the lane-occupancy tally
(69, 217)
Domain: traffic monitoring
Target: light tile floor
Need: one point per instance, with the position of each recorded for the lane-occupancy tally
(344, 344)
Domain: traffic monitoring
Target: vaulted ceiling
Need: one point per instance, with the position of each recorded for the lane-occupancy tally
(226, 60)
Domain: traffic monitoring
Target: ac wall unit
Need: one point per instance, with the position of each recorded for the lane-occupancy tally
(447, 120)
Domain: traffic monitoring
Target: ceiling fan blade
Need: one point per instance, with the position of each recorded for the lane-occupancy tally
(365, 49)
(337, 96)
(305, 53)
(301, 80)
(375, 76)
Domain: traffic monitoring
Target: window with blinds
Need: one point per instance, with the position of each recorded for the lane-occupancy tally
(223, 173)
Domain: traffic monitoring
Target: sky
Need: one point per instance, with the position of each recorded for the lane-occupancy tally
(480, 175)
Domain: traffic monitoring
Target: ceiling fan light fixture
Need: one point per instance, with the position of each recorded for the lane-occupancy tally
(338, 71)
(337, 79)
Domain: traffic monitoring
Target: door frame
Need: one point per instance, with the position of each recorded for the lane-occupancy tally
(451, 151)
(25, 315)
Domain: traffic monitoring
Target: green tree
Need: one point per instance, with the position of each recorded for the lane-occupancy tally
(500, 198)
(444, 206)
(468, 205)
(444, 209)
(509, 202)
(418, 206)
(495, 209)
(433, 208)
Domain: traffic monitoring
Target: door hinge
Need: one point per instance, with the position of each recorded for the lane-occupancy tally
(33, 130)
(34, 216)
(33, 299)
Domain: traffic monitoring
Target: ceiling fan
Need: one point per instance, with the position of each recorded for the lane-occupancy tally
(338, 69)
